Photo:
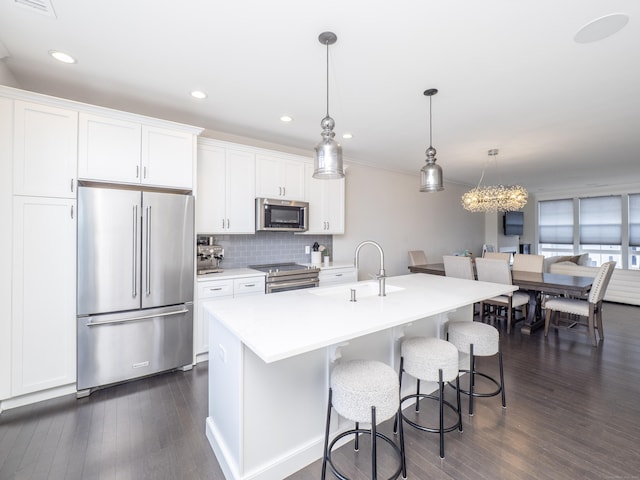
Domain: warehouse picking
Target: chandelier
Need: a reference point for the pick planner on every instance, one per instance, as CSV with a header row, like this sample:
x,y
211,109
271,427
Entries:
x,y
494,198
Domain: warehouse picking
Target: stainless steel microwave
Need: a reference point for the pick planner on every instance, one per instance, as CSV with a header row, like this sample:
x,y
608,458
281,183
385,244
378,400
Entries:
x,y
281,215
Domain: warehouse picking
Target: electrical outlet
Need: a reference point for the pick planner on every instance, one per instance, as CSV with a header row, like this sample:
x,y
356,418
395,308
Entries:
x,y
307,249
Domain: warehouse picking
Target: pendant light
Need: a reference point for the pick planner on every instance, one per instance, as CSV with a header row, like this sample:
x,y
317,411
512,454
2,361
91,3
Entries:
x,y
328,153
494,198
431,174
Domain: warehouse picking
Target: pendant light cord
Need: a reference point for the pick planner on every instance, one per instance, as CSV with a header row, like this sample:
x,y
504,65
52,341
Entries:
x,y
430,125
327,44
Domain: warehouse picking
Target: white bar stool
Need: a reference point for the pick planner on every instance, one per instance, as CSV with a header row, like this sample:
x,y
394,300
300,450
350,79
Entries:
x,y
431,360
478,340
364,391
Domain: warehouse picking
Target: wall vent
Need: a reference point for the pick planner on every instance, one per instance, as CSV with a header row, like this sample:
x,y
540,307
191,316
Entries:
x,y
41,6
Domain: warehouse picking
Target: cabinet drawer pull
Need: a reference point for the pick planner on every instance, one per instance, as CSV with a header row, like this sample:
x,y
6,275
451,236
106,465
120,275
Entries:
x,y
338,274
249,285
215,289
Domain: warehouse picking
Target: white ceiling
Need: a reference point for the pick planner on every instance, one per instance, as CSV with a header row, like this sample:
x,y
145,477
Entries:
x,y
509,75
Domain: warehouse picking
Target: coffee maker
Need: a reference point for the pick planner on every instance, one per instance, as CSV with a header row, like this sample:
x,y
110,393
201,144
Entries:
x,y
210,255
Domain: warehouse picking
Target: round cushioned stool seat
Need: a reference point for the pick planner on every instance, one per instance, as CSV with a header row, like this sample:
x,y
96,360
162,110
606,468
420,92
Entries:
x,y
424,357
358,385
484,337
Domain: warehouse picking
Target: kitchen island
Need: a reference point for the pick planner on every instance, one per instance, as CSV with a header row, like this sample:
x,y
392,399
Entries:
x,y
270,358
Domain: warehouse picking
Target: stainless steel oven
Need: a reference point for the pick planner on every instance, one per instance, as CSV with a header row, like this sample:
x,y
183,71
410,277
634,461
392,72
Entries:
x,y
283,277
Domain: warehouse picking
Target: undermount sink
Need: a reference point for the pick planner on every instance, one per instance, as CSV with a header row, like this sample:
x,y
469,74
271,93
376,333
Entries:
x,y
363,290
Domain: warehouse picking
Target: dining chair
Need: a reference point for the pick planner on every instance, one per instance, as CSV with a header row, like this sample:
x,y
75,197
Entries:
x,y
523,262
498,271
417,257
498,256
458,267
591,308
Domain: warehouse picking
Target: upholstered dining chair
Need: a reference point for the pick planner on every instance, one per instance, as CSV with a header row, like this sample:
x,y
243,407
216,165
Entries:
x,y
417,257
459,267
498,256
498,271
591,308
528,263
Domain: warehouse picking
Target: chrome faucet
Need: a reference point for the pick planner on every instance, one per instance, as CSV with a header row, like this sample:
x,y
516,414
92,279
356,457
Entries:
x,y
381,275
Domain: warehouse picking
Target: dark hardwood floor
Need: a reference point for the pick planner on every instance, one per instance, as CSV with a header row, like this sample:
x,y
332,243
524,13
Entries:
x,y
573,412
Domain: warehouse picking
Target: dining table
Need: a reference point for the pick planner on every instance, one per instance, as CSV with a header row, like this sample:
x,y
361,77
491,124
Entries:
x,y
535,284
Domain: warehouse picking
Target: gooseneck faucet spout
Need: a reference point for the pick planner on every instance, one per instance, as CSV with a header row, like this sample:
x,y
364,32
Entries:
x,y
381,275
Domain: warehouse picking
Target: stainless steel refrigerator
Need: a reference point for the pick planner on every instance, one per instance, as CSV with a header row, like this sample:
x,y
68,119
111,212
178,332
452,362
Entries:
x,y
135,284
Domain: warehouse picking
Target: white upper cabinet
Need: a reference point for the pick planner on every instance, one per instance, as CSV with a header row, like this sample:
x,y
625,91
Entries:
x,y
122,151
326,204
225,198
45,150
167,157
279,178
109,149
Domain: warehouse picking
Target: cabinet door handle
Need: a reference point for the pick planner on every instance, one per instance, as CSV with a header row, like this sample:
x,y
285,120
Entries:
x,y
71,212
137,171
223,223
72,185
228,224
284,191
280,191
145,172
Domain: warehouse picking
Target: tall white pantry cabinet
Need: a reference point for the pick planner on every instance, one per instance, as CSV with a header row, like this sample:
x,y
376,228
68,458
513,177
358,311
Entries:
x,y
40,139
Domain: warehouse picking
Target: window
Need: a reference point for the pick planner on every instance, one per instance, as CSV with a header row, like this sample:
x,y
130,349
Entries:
x,y
634,231
601,228
555,227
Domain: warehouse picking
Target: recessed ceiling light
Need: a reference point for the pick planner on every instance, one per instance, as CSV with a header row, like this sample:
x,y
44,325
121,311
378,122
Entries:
x,y
61,56
601,28
286,118
200,95
347,135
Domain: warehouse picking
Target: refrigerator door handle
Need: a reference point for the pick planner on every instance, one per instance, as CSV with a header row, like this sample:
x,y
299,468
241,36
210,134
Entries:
x,y
134,269
148,251
136,319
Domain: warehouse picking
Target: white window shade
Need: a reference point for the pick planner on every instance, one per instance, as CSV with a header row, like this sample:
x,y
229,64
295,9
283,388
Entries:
x,y
634,220
555,221
601,221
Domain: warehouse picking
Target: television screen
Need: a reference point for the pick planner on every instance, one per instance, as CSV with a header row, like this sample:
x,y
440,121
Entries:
x,y
513,223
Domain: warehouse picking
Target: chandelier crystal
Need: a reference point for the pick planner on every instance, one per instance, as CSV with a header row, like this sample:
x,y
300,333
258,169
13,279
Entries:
x,y
494,198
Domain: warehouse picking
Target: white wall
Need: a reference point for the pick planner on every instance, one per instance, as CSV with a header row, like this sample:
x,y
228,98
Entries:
x,y
387,207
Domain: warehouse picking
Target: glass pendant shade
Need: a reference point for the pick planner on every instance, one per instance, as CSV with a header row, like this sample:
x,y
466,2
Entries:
x,y
328,153
431,174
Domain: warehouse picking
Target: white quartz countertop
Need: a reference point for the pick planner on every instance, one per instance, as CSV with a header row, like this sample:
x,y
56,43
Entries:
x,y
282,325
231,273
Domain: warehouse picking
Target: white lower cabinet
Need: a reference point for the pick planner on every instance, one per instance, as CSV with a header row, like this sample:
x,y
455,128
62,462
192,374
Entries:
x,y
336,275
223,288
44,294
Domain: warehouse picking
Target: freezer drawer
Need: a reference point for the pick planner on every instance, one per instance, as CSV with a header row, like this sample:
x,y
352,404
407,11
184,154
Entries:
x,y
117,347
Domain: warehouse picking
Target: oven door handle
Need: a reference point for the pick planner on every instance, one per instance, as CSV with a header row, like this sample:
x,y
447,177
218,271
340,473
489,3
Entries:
x,y
272,287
